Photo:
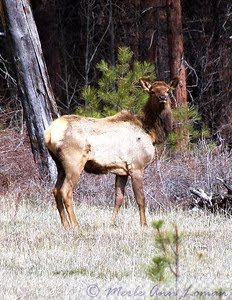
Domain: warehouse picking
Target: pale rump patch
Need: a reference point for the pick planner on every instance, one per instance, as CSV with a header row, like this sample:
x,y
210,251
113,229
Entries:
x,y
54,134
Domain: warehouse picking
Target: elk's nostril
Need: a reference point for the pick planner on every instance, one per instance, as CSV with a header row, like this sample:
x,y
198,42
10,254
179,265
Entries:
x,y
163,98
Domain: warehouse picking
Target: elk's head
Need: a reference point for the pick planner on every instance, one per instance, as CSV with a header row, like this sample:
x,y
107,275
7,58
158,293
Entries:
x,y
159,91
157,110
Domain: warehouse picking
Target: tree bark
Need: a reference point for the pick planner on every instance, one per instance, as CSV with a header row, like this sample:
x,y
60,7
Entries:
x,y
37,96
176,49
177,68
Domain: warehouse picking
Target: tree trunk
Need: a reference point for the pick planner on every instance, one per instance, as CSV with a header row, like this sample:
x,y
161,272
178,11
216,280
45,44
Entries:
x,y
176,49
37,97
177,68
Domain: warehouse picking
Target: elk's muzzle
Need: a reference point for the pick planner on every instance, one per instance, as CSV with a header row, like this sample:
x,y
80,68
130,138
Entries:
x,y
162,99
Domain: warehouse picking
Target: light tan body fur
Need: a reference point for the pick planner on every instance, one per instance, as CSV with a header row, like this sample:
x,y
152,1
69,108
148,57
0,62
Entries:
x,y
121,144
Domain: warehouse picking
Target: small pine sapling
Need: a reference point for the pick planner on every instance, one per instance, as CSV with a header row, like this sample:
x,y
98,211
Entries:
x,y
168,244
188,127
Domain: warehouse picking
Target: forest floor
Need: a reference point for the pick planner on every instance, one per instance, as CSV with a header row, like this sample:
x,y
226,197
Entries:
x,y
41,260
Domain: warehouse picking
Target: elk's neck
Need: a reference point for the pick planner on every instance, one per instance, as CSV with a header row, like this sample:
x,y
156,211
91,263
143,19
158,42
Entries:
x,y
157,122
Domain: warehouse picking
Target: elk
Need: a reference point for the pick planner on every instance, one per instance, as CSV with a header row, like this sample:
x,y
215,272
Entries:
x,y
122,144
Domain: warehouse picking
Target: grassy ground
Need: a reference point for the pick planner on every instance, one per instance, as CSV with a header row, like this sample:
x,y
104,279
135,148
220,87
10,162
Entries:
x,y
40,260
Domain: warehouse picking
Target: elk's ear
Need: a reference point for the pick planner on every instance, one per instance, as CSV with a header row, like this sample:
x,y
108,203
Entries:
x,y
145,84
174,83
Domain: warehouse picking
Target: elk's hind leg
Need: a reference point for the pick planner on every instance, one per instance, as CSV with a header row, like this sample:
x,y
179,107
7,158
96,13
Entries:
x,y
58,196
120,183
72,176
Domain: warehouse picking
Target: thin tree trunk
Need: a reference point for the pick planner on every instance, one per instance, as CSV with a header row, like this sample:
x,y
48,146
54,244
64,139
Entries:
x,y
37,97
177,68
176,48
112,34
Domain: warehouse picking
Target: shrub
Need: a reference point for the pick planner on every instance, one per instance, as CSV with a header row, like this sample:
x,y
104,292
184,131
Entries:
x,y
188,127
168,244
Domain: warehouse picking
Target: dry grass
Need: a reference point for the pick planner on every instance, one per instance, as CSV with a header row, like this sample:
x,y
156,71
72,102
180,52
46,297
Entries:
x,y
40,260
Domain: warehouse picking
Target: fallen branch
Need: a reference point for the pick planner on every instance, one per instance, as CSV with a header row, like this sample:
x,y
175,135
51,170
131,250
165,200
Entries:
x,y
213,202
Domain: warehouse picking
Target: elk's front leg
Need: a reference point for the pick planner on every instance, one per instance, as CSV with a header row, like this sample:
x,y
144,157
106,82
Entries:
x,y
120,183
137,185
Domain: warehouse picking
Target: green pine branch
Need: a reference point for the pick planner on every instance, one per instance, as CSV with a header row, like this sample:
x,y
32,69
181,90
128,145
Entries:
x,y
192,128
168,259
118,87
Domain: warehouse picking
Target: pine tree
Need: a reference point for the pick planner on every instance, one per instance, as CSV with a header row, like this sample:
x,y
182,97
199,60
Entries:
x,y
118,87
192,128
168,244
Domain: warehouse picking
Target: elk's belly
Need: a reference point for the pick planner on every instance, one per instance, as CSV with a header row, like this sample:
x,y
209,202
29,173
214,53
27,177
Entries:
x,y
119,153
95,168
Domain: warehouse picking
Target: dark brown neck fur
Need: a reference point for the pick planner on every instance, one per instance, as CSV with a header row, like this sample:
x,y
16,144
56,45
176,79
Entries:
x,y
156,120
